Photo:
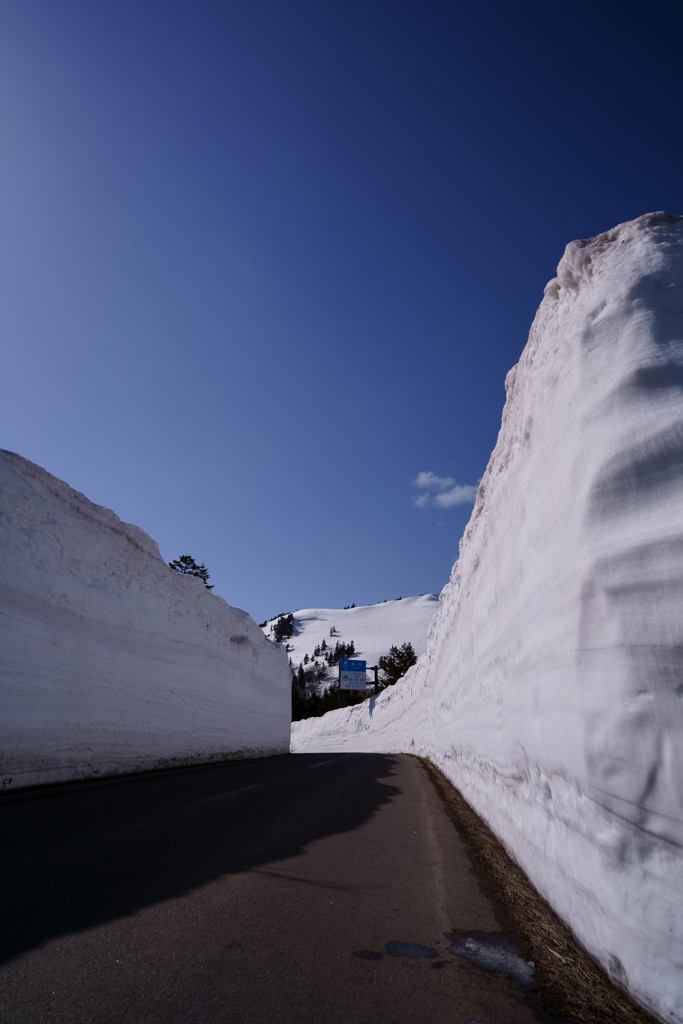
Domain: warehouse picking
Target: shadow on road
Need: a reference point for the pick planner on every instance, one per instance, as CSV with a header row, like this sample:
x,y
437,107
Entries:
x,y
85,855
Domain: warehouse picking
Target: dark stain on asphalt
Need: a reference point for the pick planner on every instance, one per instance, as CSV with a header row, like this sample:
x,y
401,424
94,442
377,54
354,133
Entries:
x,y
412,949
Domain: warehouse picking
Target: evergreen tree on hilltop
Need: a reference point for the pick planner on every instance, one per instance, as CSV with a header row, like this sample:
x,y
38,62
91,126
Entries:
x,y
394,665
283,628
187,566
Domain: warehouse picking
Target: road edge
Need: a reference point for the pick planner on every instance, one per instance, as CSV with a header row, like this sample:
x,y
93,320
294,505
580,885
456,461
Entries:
x,y
39,789
572,983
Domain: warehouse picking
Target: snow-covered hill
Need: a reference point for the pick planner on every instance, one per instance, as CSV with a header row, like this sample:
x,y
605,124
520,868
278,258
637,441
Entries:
x,y
551,692
110,661
374,628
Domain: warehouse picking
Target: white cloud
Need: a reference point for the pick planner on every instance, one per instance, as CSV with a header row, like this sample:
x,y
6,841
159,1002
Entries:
x,y
457,496
448,493
431,482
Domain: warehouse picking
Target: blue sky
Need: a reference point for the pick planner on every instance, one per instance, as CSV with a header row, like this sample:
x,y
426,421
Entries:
x,y
263,263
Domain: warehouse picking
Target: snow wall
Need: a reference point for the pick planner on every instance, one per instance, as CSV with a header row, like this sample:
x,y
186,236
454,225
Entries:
x,y
551,692
110,661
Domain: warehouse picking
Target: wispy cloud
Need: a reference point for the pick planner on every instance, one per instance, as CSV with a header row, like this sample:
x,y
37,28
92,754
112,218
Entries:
x,y
431,482
458,495
442,491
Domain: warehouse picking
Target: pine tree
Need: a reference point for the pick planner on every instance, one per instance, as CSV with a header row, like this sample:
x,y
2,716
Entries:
x,y
340,652
394,665
187,566
283,628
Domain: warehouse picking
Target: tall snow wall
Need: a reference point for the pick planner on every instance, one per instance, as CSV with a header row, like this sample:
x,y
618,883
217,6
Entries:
x,y
551,693
110,661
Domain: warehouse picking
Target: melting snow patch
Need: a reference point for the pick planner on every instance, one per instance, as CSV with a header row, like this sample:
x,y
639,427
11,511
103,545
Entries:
x,y
495,952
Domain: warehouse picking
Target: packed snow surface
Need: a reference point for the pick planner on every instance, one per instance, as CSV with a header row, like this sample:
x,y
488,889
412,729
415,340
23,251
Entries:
x,y
374,628
110,661
551,692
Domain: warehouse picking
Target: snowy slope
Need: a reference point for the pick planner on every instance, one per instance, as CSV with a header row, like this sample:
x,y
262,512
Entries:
x,y
552,689
373,628
110,661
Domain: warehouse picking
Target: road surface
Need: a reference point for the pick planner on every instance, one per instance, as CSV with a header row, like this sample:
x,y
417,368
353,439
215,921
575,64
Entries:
x,y
241,893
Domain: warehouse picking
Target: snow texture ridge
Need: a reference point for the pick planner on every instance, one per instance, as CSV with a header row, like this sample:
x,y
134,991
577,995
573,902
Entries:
x,y
110,661
551,692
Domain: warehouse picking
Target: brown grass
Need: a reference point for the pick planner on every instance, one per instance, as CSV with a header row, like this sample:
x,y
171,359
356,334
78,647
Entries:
x,y
572,984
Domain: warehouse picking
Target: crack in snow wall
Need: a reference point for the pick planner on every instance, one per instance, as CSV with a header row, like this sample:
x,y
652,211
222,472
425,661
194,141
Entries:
x,y
551,693
110,661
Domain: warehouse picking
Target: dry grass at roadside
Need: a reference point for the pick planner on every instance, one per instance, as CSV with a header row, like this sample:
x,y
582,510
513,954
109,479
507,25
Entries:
x,y
572,984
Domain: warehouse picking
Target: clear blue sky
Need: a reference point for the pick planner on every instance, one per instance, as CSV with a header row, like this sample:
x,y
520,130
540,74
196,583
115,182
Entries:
x,y
264,262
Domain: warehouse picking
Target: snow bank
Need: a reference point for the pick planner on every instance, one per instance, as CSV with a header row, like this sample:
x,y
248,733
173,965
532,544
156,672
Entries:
x,y
374,628
110,661
552,689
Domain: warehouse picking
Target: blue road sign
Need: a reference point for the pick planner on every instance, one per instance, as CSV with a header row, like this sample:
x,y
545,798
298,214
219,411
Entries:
x,y
352,675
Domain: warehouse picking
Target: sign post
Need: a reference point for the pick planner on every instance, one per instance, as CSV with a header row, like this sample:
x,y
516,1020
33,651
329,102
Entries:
x,y
352,675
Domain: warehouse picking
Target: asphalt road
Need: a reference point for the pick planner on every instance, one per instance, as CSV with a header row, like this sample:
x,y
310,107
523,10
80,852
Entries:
x,y
239,894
